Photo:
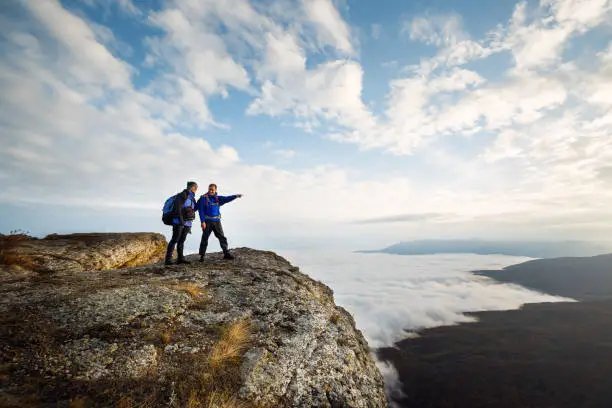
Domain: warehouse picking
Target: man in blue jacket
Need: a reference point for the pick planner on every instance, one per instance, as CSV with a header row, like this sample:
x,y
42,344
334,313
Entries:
x,y
210,216
185,204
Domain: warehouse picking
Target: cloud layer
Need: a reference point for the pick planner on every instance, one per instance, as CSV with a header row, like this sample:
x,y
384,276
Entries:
x,y
392,295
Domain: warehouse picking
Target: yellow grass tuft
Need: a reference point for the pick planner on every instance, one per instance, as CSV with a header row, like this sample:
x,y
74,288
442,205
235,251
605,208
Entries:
x,y
192,289
125,402
78,402
207,380
233,343
166,336
334,318
194,400
223,400
16,259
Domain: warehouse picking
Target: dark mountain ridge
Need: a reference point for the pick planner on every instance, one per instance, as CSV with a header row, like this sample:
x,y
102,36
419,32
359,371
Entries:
x,y
582,278
542,355
533,249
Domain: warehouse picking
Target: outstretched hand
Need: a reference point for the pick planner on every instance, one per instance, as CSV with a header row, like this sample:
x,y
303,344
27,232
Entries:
x,y
238,195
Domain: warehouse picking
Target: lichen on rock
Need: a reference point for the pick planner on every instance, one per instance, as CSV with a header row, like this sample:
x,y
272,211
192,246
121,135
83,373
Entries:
x,y
253,331
81,252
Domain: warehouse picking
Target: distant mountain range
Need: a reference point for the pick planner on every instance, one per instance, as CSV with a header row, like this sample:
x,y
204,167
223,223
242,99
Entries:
x,y
534,249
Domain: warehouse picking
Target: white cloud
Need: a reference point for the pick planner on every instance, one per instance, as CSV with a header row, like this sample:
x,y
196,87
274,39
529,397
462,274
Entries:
x,y
331,90
439,30
197,53
128,7
113,141
535,47
541,43
522,100
75,122
123,144
215,61
96,65
548,120
408,119
192,99
596,86
331,28
105,36
390,295
581,13
125,6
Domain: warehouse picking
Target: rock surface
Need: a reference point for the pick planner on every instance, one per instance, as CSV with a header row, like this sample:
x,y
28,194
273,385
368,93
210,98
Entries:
x,y
253,332
81,252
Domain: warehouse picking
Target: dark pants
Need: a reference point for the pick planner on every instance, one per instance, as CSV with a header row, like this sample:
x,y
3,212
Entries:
x,y
179,235
213,226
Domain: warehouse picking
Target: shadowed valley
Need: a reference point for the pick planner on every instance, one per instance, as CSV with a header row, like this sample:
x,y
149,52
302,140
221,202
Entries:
x,y
542,355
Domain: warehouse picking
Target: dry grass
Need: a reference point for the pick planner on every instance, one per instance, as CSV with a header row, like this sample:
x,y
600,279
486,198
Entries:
x,y
233,343
197,293
194,400
209,378
166,336
192,289
78,402
10,254
125,402
223,400
17,259
212,378
334,318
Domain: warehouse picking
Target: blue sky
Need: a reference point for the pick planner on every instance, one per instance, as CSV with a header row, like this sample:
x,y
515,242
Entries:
x,y
453,118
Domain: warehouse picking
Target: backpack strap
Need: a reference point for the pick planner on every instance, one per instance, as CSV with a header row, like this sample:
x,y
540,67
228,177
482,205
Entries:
x,y
207,200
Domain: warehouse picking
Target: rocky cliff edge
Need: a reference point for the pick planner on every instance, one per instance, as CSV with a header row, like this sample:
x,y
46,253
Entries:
x,y
253,332
81,252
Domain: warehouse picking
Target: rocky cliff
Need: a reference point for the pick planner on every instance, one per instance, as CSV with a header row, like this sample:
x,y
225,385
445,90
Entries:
x,y
253,332
81,252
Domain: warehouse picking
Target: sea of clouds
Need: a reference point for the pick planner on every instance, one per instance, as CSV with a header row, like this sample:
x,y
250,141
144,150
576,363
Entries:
x,y
392,296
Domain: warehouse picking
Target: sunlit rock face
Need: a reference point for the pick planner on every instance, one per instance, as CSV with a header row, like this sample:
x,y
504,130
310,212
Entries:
x,y
252,331
81,252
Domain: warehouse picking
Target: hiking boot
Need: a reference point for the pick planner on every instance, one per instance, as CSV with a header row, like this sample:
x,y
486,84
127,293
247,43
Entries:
x,y
227,255
201,258
183,261
168,262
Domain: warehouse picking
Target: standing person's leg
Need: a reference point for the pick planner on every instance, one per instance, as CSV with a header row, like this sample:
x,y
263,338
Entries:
x,y
177,231
204,242
218,230
181,244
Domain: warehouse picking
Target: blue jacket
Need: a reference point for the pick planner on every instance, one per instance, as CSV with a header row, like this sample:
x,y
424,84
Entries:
x,y
208,206
189,202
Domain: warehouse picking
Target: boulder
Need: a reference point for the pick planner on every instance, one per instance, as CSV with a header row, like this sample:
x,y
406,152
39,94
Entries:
x,y
252,332
81,252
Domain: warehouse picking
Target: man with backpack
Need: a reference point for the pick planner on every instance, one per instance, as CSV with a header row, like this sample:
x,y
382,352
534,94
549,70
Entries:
x,y
210,216
179,211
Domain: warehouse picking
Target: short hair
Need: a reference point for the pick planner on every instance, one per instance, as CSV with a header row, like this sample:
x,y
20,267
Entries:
x,y
212,185
191,184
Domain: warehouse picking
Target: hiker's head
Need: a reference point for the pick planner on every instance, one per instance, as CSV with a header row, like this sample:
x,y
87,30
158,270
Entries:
x,y
212,189
192,186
